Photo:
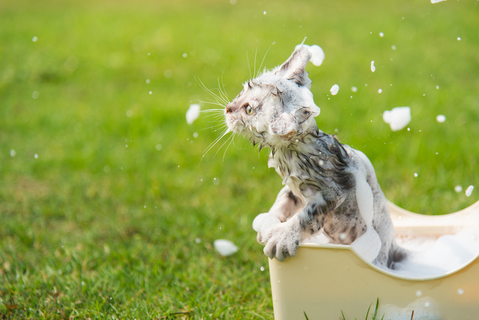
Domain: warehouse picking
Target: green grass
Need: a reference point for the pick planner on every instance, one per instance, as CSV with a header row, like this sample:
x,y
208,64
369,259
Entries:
x,y
92,228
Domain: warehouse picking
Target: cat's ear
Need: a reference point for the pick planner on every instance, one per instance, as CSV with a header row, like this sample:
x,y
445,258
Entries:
x,y
303,114
294,68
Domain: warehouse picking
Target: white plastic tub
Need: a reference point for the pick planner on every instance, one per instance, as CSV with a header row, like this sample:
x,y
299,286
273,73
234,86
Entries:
x,y
323,279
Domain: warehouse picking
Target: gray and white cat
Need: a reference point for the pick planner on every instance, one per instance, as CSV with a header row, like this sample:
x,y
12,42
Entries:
x,y
277,110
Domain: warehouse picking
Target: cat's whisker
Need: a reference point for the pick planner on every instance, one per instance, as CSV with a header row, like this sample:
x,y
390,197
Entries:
x,y
222,145
214,143
249,65
215,96
254,68
213,110
222,93
261,65
216,103
232,139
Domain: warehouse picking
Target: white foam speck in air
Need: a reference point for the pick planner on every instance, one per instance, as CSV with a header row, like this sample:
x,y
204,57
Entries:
x,y
35,94
264,12
437,87
334,89
458,188
469,190
35,156
225,247
393,47
129,113
441,118
12,153
317,54
381,34
148,81
354,89
436,1
262,268
185,55
397,118
193,113
458,38
373,68
380,90
35,39
415,174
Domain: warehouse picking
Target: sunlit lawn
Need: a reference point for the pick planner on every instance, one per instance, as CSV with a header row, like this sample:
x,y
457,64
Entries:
x,y
103,193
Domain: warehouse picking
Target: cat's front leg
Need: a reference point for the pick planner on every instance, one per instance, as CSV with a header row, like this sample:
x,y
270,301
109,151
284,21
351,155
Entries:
x,y
286,205
283,240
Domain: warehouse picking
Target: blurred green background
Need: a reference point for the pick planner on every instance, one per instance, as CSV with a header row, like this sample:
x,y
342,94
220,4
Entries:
x,y
106,208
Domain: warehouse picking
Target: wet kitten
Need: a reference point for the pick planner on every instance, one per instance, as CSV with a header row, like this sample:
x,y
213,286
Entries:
x,y
277,110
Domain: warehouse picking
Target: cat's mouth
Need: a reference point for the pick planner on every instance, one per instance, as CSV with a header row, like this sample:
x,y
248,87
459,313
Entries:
x,y
288,136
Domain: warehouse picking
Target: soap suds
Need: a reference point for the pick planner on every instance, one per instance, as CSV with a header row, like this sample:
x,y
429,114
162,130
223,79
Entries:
x,y
397,118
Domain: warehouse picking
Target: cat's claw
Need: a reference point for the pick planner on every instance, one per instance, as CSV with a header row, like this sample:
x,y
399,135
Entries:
x,y
281,243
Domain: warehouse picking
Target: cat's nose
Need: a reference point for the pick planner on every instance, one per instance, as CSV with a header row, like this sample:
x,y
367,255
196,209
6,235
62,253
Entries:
x,y
229,108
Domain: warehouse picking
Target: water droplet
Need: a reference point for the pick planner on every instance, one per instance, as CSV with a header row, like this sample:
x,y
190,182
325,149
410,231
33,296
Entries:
x,y
415,174
458,38
441,118
150,92
195,134
408,129
106,168
185,55
158,147
380,90
427,304
460,291
334,89
148,81
393,47
35,94
168,73
233,1
458,188
13,153
35,39
373,68
35,156
419,293
469,190
149,53
129,113
262,268
197,240
354,89
381,34
437,87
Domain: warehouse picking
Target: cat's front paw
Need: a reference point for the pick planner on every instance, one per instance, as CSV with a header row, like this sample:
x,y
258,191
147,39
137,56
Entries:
x,y
281,242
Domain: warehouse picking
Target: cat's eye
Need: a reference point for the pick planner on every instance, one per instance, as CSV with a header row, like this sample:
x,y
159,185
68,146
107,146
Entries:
x,y
249,110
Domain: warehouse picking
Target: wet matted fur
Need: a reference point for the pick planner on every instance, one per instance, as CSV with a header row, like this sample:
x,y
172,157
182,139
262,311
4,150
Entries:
x,y
277,110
